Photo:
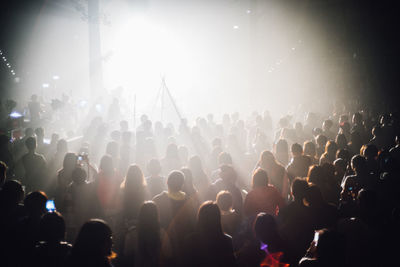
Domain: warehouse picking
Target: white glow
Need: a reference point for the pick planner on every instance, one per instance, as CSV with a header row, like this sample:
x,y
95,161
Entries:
x,y
45,85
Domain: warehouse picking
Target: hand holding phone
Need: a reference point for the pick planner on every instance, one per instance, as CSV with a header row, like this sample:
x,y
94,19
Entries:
x,y
50,205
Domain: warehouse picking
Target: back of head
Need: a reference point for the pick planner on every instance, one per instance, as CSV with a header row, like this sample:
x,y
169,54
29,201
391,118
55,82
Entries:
x,y
267,158
209,219
358,163
265,227
134,179
343,154
331,148
154,167
282,146
195,164
35,203
148,217
296,149
93,241
30,143
316,175
79,175
314,196
370,151
3,173
106,164
299,188
321,140
188,175
260,178
224,200
228,174
309,148
172,151
331,248
224,158
70,161
52,227
12,193
175,181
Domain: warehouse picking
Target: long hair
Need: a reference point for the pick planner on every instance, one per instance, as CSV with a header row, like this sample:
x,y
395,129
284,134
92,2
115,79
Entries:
x,y
134,191
149,240
209,220
93,244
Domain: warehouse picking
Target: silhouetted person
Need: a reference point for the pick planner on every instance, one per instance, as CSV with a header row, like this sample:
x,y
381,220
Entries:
x,y
34,167
298,166
263,198
147,244
281,150
92,247
156,183
230,219
209,246
51,250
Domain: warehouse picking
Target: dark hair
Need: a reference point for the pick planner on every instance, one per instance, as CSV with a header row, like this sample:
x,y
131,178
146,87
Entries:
x,y
52,227
331,148
149,240
209,220
296,148
79,175
224,200
282,146
224,158
70,160
370,151
358,163
314,196
106,164
93,243
341,141
343,154
260,178
309,148
12,193
265,227
30,143
154,167
321,140
299,188
134,179
175,181
315,175
35,202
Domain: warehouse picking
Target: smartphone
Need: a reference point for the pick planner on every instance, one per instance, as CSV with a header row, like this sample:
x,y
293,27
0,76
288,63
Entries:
x,y
50,205
316,237
80,158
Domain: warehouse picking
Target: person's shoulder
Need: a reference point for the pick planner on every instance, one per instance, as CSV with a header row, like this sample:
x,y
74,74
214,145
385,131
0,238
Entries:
x,y
163,195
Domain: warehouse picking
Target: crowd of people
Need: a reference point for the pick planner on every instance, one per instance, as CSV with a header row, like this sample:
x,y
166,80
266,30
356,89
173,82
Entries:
x,y
318,191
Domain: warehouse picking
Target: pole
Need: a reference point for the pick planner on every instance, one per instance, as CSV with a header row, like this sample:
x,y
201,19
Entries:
x,y
134,112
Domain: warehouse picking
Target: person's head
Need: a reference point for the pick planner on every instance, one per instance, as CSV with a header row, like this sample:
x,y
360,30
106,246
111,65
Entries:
x,y
357,118
331,148
209,219
148,216
30,144
79,175
70,161
341,141
3,173
62,146
316,175
35,203
172,151
39,132
358,164
12,193
29,132
106,165
134,178
296,150
94,241
123,125
265,228
331,248
52,227
340,167
228,174
175,181
299,188
224,200
260,178
282,147
112,149
267,159
195,164
314,196
309,149
327,125
154,167
224,158
183,153
321,140
370,152
343,154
